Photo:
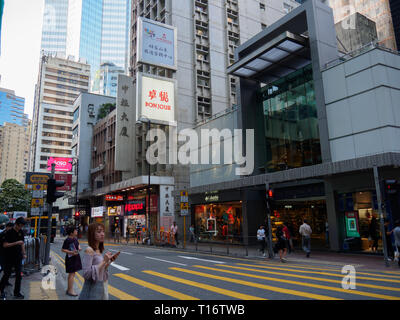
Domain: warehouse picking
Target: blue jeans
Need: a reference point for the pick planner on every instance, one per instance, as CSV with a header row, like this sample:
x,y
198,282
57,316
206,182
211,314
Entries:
x,y
307,244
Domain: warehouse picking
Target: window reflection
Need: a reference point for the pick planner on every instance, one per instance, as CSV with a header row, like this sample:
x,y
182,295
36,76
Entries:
x,y
291,122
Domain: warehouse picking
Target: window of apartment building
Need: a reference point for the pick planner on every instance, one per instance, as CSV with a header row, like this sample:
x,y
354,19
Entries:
x,y
262,6
76,114
57,119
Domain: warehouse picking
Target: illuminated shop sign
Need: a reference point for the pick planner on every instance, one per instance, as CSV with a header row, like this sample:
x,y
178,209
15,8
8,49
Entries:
x,y
114,197
62,164
135,207
114,211
97,212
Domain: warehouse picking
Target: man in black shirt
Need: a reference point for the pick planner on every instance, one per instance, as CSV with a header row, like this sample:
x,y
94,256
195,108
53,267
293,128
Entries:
x,y
14,252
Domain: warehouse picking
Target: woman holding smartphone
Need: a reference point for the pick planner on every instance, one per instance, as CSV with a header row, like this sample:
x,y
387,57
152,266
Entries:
x,y
95,265
72,259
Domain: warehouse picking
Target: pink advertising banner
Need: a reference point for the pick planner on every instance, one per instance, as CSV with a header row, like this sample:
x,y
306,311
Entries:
x,y
62,164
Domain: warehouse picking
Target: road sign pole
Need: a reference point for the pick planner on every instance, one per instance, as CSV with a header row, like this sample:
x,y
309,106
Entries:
x,y
270,249
49,222
382,222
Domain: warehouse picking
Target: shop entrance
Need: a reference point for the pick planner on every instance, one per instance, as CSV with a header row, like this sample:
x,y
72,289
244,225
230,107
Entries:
x,y
292,212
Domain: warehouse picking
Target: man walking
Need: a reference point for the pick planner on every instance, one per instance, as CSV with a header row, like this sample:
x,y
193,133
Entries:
x,y
305,231
261,239
14,253
174,231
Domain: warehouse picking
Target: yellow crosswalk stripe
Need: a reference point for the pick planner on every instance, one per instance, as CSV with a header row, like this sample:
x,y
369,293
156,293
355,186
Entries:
x,y
317,286
323,273
257,285
225,292
166,291
311,278
121,295
332,269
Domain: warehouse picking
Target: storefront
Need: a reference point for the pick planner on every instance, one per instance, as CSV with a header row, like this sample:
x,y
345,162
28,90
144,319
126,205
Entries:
x,y
134,214
218,217
114,214
357,210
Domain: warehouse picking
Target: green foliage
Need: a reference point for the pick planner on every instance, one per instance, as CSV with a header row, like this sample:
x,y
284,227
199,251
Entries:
x,y
105,109
14,197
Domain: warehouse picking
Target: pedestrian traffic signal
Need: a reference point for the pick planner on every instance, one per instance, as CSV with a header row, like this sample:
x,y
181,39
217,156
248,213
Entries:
x,y
270,194
391,186
270,200
77,215
52,194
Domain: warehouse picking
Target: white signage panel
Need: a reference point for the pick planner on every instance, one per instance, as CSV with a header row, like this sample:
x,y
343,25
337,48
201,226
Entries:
x,y
157,44
156,99
166,207
97,212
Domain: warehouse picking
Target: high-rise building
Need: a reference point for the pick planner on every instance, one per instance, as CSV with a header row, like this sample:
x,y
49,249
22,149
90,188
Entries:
x,y
99,31
59,83
395,10
106,79
1,18
54,31
378,11
14,151
12,108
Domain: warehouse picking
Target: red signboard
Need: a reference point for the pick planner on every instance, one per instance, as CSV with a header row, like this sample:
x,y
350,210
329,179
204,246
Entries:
x,y
67,178
114,197
134,208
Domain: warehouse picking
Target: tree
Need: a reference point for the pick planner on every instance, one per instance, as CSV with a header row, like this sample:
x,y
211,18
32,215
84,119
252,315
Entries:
x,y
14,197
105,109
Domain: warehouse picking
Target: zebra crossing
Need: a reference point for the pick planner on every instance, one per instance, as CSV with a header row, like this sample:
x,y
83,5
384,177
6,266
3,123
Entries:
x,y
247,281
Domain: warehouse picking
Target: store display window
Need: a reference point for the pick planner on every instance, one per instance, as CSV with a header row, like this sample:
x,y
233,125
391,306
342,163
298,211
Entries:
x,y
219,222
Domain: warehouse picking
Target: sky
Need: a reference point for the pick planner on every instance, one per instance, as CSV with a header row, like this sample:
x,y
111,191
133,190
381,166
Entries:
x,y
20,48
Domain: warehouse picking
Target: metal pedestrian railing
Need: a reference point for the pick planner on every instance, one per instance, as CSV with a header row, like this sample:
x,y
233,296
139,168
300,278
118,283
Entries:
x,y
35,253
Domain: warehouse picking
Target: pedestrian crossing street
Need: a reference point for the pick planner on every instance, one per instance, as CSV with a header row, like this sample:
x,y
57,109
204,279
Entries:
x,y
252,280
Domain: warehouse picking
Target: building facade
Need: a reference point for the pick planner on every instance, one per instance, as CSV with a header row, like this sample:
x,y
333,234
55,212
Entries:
x,y
319,131
60,81
106,79
377,11
14,151
54,30
12,108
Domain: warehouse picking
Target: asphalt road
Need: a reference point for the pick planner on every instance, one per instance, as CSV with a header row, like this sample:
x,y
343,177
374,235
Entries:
x,y
144,273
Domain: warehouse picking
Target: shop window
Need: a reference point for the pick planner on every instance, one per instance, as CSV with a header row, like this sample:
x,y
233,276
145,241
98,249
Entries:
x,y
219,222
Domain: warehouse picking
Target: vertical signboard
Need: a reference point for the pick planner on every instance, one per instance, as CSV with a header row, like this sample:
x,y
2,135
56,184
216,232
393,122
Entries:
x,y
157,44
166,207
125,124
352,229
184,203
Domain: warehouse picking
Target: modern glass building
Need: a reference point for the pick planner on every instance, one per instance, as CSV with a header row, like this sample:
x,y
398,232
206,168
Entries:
x,y
1,18
54,32
12,108
98,31
106,79
291,122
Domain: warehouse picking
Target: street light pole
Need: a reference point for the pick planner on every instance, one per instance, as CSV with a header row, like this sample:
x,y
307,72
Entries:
x,y
76,186
148,188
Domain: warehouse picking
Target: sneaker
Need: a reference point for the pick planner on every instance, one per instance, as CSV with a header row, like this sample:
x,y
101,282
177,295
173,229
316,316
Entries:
x,y
283,260
19,296
263,254
3,296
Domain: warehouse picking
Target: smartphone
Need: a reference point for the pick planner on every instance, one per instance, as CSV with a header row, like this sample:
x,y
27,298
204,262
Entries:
x,y
115,256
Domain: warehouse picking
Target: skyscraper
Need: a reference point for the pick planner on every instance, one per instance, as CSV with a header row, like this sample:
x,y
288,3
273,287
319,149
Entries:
x,y
54,31
12,108
98,30
106,79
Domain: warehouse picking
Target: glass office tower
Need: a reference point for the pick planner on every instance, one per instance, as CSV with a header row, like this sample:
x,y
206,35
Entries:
x,y
54,32
12,108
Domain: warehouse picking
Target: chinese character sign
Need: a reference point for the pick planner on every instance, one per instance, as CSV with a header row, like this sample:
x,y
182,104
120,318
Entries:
x,y
157,43
157,99
167,209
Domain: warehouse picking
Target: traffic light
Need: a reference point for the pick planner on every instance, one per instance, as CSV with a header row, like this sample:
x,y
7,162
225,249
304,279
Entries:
x,y
77,215
52,193
270,199
391,186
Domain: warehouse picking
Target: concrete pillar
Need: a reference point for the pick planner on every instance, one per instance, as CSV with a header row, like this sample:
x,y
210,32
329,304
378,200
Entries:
x,y
333,222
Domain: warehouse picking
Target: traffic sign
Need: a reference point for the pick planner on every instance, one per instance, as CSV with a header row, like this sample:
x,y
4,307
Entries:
x,y
36,203
38,194
184,203
35,211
